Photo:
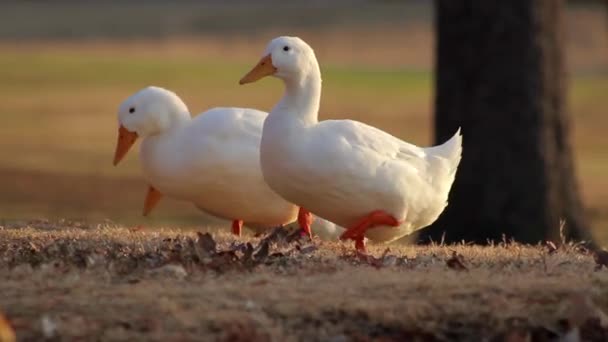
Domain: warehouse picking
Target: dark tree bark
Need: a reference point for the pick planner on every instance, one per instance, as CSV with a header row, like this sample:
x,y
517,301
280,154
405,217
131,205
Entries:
x,y
500,75
606,7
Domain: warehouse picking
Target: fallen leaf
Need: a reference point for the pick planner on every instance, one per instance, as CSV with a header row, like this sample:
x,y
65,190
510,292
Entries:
x,y
33,247
205,247
573,335
601,259
260,282
223,260
551,247
262,252
389,260
542,333
456,262
278,235
339,338
7,334
579,308
206,242
276,255
238,247
248,253
170,270
364,257
238,330
228,255
517,336
383,261
307,249
295,236
49,328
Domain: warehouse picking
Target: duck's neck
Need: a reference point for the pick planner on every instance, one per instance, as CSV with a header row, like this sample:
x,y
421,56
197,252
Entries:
x,y
302,98
168,125
180,119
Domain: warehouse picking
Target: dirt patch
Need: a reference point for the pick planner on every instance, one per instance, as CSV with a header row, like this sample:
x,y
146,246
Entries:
x,y
70,281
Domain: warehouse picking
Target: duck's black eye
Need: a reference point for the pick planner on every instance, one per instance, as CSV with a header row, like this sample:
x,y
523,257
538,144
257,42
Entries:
x,y
132,110
285,48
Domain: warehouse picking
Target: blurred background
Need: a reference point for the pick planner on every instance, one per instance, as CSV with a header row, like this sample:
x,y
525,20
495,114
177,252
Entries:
x,y
66,65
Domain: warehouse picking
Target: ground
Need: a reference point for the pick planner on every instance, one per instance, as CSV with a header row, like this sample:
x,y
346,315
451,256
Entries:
x,y
73,281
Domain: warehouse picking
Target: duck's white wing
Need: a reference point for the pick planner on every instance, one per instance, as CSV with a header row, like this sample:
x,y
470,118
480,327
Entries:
x,y
365,147
230,124
226,140
356,168
353,168
215,148
215,163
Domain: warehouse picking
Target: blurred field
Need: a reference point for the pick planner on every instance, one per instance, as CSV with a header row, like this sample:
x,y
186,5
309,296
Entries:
x,y
58,100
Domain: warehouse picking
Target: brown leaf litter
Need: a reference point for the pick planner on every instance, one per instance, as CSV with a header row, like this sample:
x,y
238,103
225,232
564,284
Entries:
x,y
78,281
456,262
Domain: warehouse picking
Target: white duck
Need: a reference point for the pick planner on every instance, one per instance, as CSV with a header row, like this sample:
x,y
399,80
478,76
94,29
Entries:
x,y
326,230
347,172
212,160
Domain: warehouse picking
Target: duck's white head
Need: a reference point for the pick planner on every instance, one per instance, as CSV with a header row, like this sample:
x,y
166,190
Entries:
x,y
150,111
288,58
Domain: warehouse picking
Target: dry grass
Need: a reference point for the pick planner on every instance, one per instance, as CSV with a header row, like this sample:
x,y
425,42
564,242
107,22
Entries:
x,y
74,281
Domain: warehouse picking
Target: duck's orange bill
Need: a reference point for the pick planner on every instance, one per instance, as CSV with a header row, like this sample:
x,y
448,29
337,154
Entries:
x,y
126,139
152,199
262,69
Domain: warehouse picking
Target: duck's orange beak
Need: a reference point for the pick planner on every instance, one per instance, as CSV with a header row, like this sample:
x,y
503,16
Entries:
x,y
262,69
126,139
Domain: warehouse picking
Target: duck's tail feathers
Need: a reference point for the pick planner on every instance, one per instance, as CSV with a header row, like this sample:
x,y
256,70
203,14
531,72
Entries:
x,y
449,153
450,150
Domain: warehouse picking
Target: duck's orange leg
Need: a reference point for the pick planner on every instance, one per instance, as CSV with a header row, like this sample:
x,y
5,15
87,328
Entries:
x,y
360,244
373,219
237,226
305,220
152,198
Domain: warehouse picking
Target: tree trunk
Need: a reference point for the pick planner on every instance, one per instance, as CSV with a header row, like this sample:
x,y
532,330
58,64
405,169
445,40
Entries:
x,y
500,75
606,8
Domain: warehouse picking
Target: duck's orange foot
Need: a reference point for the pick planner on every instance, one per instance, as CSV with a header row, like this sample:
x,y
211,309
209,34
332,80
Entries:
x,y
360,245
305,221
237,227
373,219
152,198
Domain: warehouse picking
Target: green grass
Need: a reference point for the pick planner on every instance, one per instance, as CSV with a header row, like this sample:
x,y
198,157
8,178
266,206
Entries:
x,y
22,71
